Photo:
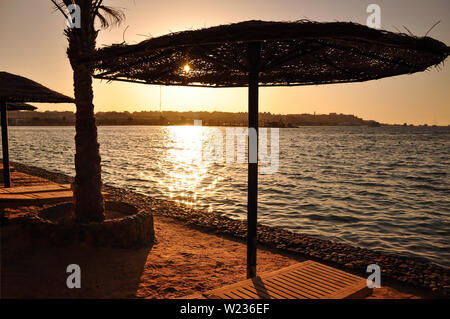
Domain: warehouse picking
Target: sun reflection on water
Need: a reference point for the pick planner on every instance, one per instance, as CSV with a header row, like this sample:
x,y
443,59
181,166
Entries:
x,y
185,176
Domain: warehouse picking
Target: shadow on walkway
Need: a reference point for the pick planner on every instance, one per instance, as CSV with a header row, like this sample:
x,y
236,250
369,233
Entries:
x,y
36,270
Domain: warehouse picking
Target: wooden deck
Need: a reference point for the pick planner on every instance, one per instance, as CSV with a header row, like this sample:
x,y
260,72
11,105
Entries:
x,y
306,280
33,189
34,195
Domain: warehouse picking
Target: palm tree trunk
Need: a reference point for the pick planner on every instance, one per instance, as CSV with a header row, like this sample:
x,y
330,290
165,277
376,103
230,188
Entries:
x,y
89,205
88,198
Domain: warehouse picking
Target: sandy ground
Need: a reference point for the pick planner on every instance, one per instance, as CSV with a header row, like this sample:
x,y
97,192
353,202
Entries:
x,y
183,261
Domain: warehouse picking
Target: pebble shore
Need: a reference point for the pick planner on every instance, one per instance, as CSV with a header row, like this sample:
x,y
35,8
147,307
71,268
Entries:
x,y
406,270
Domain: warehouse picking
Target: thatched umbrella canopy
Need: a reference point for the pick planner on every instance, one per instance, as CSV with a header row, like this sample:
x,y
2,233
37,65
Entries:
x,y
21,107
291,53
17,89
260,53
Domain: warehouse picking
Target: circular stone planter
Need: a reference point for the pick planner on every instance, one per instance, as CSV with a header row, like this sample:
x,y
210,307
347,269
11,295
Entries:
x,y
124,227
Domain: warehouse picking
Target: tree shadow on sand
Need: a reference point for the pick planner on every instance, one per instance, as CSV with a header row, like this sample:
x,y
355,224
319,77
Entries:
x,y
30,269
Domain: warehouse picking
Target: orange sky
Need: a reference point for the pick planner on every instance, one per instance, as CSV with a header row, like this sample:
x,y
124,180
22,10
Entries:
x,y
33,45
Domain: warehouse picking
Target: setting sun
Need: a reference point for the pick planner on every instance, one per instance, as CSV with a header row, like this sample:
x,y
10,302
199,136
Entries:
x,y
186,68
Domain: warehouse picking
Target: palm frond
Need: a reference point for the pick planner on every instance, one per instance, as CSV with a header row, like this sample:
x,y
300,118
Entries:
x,y
109,16
58,6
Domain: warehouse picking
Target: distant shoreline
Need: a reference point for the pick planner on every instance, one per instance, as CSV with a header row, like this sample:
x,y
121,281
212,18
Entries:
x,y
266,119
175,118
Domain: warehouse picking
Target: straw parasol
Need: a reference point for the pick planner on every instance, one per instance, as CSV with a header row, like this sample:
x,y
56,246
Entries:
x,y
21,107
17,89
261,53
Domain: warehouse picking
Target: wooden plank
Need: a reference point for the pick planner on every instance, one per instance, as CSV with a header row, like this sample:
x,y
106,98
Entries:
x,y
309,290
309,286
245,293
193,296
249,291
308,279
357,290
256,294
293,284
211,296
327,279
16,198
255,291
285,288
318,280
35,189
51,195
322,285
325,275
232,294
260,292
324,282
274,291
335,272
36,198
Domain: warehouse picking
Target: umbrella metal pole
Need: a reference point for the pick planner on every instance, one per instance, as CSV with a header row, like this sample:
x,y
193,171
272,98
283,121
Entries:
x,y
252,200
5,150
